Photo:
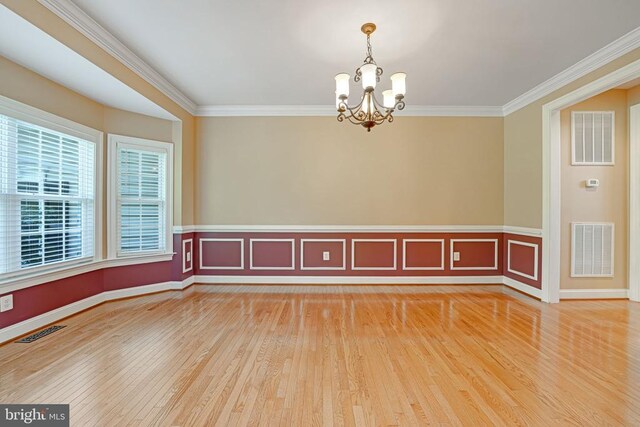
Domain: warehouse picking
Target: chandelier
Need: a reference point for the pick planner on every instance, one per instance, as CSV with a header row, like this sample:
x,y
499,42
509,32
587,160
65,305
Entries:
x,y
369,112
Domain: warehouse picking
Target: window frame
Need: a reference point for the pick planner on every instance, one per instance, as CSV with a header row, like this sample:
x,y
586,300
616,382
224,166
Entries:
x,y
35,116
114,141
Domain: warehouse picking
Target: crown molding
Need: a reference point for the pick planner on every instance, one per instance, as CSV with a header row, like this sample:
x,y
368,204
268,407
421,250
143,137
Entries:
x,y
330,110
82,22
610,52
452,110
264,110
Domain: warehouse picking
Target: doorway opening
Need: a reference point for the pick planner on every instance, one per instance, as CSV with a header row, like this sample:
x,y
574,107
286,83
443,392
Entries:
x,y
551,152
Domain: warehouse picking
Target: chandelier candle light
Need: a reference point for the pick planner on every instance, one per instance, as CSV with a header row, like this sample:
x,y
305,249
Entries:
x,y
369,112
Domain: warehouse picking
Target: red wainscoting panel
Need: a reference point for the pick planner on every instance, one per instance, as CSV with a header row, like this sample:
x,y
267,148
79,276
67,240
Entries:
x,y
187,255
182,243
475,254
130,276
424,254
36,300
523,255
523,258
373,254
221,254
272,254
312,250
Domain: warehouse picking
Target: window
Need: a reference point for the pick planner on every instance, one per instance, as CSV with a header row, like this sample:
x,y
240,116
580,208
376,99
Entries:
x,y
140,196
47,192
592,141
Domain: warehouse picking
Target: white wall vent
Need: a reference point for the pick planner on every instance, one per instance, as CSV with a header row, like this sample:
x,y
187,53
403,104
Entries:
x,y
593,137
592,249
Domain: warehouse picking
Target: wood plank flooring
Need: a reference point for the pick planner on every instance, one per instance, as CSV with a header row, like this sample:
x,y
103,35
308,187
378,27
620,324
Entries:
x,y
306,356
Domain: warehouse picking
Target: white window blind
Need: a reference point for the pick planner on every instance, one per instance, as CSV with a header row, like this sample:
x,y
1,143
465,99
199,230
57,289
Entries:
x,y
593,137
141,184
46,197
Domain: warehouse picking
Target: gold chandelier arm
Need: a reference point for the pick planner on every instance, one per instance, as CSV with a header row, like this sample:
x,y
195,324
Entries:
x,y
354,116
378,115
343,107
353,120
382,117
377,104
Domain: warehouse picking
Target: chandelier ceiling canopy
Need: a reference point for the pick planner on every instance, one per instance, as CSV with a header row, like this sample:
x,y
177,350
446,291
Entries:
x,y
369,112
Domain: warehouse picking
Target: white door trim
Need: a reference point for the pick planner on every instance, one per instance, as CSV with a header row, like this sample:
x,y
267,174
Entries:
x,y
634,202
551,171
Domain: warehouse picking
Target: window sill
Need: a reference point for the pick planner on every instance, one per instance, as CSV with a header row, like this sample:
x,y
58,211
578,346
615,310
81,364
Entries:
x,y
139,259
37,278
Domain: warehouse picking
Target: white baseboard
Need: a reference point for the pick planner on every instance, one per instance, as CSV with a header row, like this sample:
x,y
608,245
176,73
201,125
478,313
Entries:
x,y
186,282
139,290
529,290
352,280
26,326
594,294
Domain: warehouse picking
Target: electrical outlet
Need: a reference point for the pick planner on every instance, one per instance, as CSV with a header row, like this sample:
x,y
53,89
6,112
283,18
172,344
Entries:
x,y
6,303
326,256
188,256
456,256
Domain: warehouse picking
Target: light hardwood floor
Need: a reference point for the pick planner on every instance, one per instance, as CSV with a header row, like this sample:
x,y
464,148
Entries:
x,y
303,356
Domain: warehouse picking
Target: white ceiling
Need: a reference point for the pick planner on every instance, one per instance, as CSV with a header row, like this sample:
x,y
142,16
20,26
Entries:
x,y
455,52
27,45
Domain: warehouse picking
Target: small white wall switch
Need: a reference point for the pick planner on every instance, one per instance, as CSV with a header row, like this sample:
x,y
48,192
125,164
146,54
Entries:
x,y
188,256
6,303
592,183
456,256
326,256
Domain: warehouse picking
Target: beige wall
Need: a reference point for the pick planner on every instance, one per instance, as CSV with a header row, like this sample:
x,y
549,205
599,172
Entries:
x,y
608,203
185,200
633,96
25,86
21,84
314,170
122,122
50,23
419,171
523,168
523,151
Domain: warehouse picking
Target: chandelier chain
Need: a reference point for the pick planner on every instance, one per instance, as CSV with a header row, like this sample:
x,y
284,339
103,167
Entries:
x,y
369,58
